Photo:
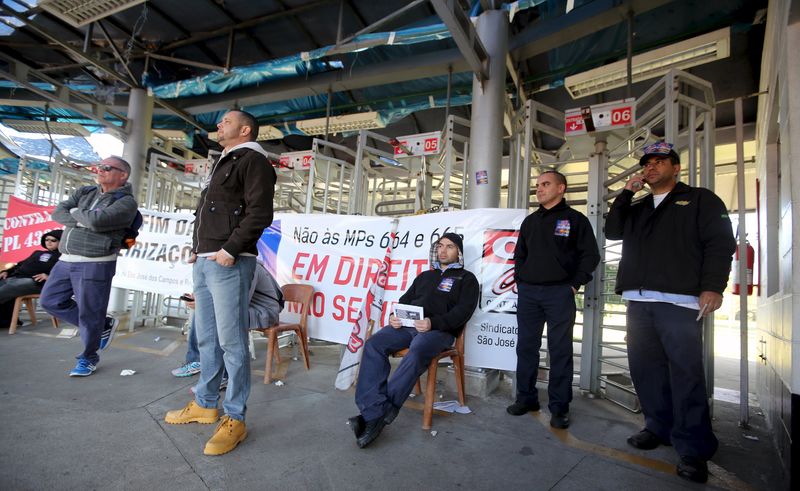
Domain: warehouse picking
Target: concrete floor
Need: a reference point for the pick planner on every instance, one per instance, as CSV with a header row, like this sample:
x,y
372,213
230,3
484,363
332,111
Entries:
x,y
107,432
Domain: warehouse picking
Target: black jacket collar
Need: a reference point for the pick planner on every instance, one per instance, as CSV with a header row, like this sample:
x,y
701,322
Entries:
x,y
562,205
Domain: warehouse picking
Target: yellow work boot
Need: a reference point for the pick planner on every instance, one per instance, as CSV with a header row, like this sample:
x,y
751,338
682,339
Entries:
x,y
192,413
228,434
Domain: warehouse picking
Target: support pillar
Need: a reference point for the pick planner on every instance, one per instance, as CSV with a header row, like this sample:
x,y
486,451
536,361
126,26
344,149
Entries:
x,y
486,134
140,115
593,298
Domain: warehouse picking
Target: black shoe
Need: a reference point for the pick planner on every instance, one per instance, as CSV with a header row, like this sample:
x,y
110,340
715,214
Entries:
x,y
357,425
391,414
693,469
371,431
559,420
520,408
645,440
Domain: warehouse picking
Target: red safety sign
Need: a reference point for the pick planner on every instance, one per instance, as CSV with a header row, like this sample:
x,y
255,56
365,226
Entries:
x,y
600,117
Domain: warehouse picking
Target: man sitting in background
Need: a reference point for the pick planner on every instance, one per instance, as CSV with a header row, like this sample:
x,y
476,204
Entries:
x,y
28,276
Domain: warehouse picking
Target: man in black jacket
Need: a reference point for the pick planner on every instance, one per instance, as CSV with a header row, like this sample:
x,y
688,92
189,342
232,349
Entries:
x,y
28,277
234,209
677,245
448,294
556,253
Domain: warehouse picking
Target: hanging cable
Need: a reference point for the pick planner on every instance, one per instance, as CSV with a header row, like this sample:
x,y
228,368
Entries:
x,y
137,29
53,145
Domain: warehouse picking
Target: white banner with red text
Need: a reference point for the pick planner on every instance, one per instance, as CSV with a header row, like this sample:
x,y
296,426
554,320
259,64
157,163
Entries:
x,y
340,256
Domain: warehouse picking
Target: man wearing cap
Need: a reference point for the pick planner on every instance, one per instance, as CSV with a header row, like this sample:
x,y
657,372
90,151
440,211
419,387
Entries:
x,y
555,255
677,245
448,294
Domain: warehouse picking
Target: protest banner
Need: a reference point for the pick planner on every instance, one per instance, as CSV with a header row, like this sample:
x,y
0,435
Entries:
x,y
158,262
339,255
23,227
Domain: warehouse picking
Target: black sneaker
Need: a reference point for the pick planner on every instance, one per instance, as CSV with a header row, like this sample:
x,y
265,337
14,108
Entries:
x,y
371,431
693,469
108,332
645,440
559,420
520,408
357,425
391,414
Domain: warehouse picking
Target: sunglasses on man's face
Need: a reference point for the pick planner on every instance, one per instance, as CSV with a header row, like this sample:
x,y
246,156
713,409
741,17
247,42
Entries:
x,y
51,240
108,168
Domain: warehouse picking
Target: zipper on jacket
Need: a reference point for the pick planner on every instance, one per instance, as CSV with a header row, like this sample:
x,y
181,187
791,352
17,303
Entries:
x,y
203,202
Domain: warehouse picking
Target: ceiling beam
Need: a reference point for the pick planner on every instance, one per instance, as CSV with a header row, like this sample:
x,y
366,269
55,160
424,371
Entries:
x,y
465,36
394,71
544,35
109,71
202,47
223,31
63,96
232,34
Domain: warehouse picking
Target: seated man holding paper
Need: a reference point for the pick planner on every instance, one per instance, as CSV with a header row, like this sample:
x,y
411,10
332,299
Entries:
x,y
444,297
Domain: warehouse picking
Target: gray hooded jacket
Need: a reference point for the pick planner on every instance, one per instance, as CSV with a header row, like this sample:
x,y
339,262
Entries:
x,y
265,297
95,221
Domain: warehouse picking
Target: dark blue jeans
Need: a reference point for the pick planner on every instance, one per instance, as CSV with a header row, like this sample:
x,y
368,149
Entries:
x,y
373,392
665,356
90,284
537,305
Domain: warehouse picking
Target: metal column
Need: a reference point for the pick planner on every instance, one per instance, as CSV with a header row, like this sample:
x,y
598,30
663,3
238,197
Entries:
x,y
592,296
140,115
486,136
744,385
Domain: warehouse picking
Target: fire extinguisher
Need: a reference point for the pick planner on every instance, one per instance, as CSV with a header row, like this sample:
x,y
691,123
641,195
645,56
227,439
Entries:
x,y
750,260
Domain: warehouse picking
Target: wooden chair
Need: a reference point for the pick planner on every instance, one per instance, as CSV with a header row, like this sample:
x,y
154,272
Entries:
x,y
456,353
300,294
28,301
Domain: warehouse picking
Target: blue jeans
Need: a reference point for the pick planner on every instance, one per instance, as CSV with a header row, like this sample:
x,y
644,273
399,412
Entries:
x,y
221,297
90,284
555,306
192,351
665,356
374,394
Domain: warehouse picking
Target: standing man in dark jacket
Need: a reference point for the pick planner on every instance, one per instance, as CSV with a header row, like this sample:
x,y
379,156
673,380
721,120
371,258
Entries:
x,y
28,277
448,294
677,245
556,253
234,209
95,218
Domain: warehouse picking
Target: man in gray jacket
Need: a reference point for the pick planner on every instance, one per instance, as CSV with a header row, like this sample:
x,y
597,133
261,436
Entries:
x,y
77,291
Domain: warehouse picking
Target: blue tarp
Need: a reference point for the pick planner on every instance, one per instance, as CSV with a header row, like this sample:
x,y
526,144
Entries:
x,y
391,101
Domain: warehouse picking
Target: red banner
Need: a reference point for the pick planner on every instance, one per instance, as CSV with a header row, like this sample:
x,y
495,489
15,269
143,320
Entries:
x,y
23,227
